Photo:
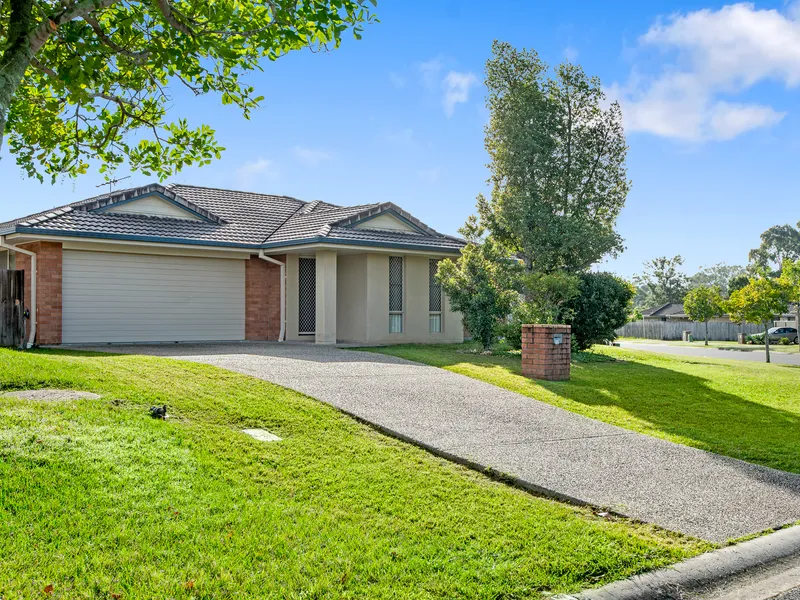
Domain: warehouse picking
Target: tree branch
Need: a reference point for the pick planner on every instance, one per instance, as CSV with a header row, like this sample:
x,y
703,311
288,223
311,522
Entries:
x,y
139,57
75,10
169,16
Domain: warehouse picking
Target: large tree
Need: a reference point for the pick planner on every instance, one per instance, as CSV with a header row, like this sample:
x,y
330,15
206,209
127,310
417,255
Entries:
x,y
662,281
790,276
719,275
90,79
557,163
703,304
778,243
759,302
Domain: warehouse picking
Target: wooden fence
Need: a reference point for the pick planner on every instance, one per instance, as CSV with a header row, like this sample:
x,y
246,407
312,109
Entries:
x,y
672,330
12,319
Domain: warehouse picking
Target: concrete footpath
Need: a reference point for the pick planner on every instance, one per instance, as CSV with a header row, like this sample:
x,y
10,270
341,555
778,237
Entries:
x,y
547,449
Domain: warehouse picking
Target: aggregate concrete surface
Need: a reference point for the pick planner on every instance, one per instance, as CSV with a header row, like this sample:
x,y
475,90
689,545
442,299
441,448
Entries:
x,y
546,448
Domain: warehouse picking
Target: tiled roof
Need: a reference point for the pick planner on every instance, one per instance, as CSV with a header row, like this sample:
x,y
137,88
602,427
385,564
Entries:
x,y
228,218
665,310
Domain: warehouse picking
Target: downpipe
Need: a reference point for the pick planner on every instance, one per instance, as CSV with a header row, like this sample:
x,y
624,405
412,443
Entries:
x,y
269,259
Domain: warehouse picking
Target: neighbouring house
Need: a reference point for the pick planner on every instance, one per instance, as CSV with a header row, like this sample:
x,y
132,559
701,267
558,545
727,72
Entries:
x,y
673,311
176,263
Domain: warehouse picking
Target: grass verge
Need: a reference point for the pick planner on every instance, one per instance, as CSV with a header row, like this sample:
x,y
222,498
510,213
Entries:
x,y
98,500
743,409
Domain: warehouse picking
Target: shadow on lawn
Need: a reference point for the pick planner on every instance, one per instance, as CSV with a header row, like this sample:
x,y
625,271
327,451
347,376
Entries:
x,y
685,405
664,402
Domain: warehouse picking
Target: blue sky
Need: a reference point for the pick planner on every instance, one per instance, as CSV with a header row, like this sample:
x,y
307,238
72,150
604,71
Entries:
x,y
709,93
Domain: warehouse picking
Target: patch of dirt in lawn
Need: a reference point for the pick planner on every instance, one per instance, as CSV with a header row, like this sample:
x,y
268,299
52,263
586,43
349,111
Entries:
x,y
52,395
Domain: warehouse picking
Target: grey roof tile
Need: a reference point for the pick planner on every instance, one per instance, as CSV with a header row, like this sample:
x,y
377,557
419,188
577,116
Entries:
x,y
230,218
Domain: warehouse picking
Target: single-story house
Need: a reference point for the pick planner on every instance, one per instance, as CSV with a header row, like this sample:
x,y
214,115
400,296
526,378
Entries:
x,y
177,263
673,311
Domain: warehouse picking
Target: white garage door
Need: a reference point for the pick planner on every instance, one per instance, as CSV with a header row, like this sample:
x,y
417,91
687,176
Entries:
x,y
113,297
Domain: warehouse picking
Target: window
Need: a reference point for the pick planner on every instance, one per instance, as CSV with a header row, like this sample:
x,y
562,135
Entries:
x,y
395,294
434,298
307,296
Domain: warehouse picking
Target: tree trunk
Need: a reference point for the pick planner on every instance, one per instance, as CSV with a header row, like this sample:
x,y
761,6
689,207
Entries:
x,y
766,339
16,58
797,324
706,333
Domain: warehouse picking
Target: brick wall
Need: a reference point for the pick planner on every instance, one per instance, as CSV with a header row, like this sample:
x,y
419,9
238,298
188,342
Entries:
x,y
262,299
48,288
542,358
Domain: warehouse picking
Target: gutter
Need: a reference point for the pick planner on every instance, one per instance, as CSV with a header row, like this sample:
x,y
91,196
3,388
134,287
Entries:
x,y
3,244
262,256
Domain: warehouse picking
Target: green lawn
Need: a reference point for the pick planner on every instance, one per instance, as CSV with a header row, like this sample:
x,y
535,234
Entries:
x,y
747,410
98,500
732,345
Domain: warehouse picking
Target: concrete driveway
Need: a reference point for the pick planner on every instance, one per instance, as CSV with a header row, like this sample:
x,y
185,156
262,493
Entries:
x,y
779,358
551,450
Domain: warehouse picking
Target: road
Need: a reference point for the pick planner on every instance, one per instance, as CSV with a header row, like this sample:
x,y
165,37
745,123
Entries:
x,y
781,358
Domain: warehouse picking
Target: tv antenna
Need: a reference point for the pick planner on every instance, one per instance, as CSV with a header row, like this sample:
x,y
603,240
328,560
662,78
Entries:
x,y
110,183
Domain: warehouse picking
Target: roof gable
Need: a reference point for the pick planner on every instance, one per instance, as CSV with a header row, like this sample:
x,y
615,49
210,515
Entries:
x,y
150,206
154,201
386,216
386,221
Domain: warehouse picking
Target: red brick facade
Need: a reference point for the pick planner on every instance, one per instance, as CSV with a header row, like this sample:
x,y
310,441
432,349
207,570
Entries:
x,y
262,305
542,357
48,288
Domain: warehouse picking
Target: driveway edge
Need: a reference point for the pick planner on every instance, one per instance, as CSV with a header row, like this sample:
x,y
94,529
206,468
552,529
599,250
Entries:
x,y
487,471
701,571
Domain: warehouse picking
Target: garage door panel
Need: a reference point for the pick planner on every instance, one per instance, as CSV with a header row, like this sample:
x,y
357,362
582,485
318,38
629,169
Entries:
x,y
115,297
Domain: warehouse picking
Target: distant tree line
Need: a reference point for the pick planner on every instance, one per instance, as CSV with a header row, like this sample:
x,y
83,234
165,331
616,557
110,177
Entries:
x,y
757,293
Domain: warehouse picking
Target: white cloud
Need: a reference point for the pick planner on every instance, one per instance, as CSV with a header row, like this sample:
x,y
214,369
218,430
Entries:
x,y
793,10
397,80
430,72
310,156
712,55
254,169
456,88
260,166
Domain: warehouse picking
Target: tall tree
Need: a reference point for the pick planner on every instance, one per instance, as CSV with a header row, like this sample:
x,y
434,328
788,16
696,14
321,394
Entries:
x,y
790,275
90,79
758,302
557,163
778,243
737,282
703,304
661,281
719,275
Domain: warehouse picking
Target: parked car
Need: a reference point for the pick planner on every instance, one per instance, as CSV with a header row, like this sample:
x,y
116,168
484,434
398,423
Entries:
x,y
776,333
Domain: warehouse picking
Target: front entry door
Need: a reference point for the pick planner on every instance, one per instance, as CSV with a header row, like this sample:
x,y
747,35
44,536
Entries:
x,y
307,296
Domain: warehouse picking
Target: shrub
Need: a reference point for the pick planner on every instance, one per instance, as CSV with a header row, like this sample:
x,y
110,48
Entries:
x,y
602,305
784,341
478,285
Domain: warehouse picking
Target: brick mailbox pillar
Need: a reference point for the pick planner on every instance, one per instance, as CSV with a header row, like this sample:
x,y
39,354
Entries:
x,y
546,351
